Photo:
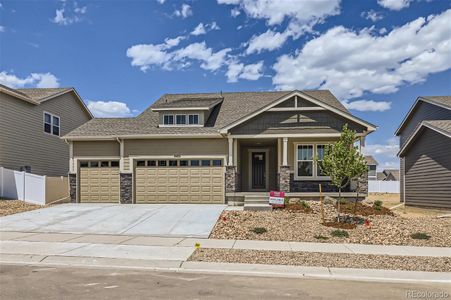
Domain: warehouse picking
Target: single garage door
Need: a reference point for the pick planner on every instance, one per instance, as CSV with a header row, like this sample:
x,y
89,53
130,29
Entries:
x,y
99,181
179,181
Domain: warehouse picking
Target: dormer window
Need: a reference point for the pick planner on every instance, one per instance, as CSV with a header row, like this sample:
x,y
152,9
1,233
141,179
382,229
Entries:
x,y
193,119
181,119
168,120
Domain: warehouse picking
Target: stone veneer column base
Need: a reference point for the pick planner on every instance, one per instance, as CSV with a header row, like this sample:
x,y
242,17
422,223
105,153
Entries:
x,y
73,188
284,179
230,179
363,184
126,193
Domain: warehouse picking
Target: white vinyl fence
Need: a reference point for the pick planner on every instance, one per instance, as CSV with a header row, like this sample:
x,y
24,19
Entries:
x,y
379,186
22,186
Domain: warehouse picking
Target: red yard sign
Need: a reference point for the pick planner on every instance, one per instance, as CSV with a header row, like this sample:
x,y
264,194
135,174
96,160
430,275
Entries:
x,y
277,199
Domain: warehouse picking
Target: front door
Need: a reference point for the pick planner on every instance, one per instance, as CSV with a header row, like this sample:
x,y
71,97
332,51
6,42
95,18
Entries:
x,y
258,170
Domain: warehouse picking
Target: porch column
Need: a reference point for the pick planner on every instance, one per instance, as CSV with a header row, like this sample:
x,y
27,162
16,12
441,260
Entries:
x,y
230,160
285,152
362,145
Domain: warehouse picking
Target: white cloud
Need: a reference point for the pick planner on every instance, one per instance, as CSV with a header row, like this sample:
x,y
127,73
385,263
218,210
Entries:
x,y
394,4
40,80
66,16
200,29
199,51
161,1
367,105
214,26
109,109
235,12
372,15
270,40
351,63
184,11
302,16
240,71
385,154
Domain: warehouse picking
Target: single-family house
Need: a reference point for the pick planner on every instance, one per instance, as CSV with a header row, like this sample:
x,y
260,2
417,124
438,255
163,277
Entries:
x,y
210,148
425,152
32,120
372,167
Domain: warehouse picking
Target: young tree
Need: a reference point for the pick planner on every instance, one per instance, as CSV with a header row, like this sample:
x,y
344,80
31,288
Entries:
x,y
342,161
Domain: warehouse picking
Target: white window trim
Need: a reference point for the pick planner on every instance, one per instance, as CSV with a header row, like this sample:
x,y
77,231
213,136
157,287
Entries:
x,y
173,120
195,124
315,165
184,124
177,124
51,124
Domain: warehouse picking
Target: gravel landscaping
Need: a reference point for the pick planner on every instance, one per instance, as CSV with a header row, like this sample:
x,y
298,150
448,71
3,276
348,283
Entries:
x,y
286,225
9,207
338,260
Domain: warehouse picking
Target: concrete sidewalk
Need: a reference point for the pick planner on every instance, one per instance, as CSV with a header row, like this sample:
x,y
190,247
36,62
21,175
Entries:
x,y
171,254
227,244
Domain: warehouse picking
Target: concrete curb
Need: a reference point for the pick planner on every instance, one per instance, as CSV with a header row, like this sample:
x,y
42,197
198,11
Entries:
x,y
372,275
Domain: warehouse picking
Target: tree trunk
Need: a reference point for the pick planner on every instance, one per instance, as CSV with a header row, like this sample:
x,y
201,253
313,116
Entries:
x,y
338,204
357,198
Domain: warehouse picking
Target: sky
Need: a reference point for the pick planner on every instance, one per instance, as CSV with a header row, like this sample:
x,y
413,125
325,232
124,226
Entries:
x,y
376,56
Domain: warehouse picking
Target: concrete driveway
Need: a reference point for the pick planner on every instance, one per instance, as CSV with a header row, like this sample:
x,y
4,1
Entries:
x,y
178,220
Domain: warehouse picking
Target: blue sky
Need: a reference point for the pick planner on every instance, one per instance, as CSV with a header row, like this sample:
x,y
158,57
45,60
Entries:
x,y
377,56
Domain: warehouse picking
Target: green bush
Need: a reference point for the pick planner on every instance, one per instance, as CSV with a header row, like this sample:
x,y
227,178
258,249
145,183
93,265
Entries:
x,y
305,204
420,236
259,230
286,200
377,203
320,237
343,201
339,233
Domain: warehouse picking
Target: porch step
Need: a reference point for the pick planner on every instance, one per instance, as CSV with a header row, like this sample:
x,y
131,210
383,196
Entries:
x,y
256,202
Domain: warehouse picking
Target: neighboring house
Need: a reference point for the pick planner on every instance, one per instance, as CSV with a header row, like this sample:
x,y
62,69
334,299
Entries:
x,y
425,152
31,124
388,175
209,148
372,166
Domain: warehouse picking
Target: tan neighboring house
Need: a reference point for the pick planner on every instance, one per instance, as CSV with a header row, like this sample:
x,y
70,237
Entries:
x,y
210,148
31,124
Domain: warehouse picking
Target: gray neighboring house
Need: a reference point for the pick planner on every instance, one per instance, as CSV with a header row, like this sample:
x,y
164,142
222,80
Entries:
x,y
372,167
31,124
210,148
388,175
425,152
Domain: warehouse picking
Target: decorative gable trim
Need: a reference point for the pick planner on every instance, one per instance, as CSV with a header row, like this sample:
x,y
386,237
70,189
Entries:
x,y
296,93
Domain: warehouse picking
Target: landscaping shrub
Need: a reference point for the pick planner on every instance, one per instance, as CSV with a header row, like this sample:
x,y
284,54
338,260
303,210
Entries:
x,y
377,205
339,233
305,204
420,236
259,230
343,201
320,237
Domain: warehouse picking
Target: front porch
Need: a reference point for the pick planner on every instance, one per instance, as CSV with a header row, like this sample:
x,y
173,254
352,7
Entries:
x,y
258,165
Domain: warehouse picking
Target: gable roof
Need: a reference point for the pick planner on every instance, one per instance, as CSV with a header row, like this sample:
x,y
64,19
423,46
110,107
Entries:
x,y
37,96
187,103
393,172
440,126
370,160
442,101
231,107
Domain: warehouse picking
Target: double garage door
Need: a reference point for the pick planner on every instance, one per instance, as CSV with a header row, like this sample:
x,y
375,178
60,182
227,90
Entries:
x,y
179,181
155,181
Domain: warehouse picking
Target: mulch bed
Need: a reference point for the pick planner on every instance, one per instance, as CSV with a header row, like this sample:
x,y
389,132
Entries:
x,y
294,225
364,210
316,259
298,207
9,207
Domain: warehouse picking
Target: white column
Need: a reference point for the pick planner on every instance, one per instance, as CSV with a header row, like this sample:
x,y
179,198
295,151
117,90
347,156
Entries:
x,y
71,157
230,162
285,152
121,154
279,153
235,152
362,145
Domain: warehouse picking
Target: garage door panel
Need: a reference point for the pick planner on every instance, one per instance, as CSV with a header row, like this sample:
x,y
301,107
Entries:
x,y
179,184
99,184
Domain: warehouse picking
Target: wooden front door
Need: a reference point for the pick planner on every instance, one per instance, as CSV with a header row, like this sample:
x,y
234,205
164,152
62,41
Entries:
x,y
258,170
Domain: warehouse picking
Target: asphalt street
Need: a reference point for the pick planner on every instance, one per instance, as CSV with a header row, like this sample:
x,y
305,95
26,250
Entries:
x,y
30,282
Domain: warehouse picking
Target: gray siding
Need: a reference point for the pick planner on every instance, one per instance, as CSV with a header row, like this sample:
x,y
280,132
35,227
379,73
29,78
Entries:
x,y
428,171
22,137
401,177
423,111
295,122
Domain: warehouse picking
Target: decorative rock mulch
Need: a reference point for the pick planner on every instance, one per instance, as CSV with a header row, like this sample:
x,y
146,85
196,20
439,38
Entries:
x,y
337,260
284,225
9,207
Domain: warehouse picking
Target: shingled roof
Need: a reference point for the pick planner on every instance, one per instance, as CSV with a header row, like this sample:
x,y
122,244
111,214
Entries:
x,y
444,100
40,94
234,106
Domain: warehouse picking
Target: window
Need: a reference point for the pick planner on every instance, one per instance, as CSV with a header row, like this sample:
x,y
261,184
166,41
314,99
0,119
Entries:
x,y
320,151
180,119
84,164
194,163
217,162
162,163
168,120
151,163
205,163
193,119
183,163
305,160
104,164
115,163
173,163
51,124
94,164
141,163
